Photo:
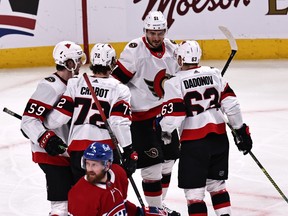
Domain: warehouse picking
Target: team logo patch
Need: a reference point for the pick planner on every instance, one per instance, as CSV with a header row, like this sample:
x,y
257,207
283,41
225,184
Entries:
x,y
50,79
156,86
133,45
152,153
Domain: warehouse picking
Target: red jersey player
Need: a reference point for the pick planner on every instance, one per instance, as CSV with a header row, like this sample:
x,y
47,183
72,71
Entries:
x,y
103,190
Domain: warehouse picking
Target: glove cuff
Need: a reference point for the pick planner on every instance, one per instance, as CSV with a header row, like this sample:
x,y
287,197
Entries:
x,y
45,137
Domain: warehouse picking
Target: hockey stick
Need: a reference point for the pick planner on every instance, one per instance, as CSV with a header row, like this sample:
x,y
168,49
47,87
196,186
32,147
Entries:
x,y
234,49
12,113
255,159
233,46
113,137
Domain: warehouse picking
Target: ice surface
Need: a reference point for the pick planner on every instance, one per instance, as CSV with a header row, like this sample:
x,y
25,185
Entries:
x,y
262,89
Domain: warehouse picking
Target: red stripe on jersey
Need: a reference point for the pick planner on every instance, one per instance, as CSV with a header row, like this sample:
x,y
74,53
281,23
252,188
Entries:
x,y
121,108
227,92
37,109
81,145
124,70
43,157
194,134
174,107
65,105
141,116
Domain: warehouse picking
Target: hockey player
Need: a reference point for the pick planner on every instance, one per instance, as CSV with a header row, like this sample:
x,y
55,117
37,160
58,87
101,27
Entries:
x,y
87,125
48,149
194,101
143,65
103,190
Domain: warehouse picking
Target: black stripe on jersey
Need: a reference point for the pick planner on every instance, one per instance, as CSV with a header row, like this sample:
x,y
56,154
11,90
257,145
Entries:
x,y
227,92
65,105
174,107
121,73
121,108
37,109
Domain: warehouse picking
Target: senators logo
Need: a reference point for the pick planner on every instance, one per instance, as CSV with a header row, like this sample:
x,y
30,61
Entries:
x,y
157,85
153,153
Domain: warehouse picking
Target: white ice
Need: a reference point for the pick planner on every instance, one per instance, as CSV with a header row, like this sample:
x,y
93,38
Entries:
x,y
262,89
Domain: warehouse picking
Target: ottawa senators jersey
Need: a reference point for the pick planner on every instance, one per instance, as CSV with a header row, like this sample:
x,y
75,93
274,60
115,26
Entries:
x,y
47,94
86,199
143,70
87,125
191,102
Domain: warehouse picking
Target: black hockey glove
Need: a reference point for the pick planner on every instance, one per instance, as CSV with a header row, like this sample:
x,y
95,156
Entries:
x,y
130,158
166,137
243,139
52,143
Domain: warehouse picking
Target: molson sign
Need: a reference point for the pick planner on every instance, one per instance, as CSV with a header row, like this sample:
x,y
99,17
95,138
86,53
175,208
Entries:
x,y
29,29
19,18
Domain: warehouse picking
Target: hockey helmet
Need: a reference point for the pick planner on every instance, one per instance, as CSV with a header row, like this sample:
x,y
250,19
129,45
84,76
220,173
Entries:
x,y
98,152
65,50
155,20
102,54
189,51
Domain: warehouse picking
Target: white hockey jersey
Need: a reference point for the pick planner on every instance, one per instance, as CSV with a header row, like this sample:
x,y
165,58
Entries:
x,y
87,126
47,94
143,70
191,103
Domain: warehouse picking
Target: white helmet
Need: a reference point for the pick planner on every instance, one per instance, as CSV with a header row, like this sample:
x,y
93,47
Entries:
x,y
189,51
102,54
155,20
68,50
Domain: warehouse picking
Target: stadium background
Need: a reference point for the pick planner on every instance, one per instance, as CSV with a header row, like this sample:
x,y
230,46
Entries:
x,y
29,29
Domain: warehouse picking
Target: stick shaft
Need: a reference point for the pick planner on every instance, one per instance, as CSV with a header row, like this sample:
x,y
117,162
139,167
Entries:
x,y
113,137
257,162
10,112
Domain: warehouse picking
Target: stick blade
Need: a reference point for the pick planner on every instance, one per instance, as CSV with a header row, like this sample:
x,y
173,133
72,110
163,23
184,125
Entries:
x,y
229,36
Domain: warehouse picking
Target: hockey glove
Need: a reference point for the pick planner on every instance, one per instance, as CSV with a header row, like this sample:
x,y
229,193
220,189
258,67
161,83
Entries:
x,y
166,137
52,143
243,139
130,158
151,211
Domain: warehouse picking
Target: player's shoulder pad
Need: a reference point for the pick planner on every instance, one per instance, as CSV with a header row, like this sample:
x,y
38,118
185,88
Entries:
x,y
50,79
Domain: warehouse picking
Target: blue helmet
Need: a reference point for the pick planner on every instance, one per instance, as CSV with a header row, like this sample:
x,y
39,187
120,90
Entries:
x,y
98,152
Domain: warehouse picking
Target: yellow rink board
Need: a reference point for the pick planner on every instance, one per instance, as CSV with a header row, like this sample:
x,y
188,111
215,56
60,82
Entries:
x,y
212,50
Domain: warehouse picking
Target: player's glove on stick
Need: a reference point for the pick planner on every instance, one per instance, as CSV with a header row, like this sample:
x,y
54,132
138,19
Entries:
x,y
243,139
52,143
166,137
151,211
130,158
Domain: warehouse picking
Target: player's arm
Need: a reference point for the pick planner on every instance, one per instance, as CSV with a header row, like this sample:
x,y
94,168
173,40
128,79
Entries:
x,y
173,108
231,107
36,111
63,110
120,117
126,64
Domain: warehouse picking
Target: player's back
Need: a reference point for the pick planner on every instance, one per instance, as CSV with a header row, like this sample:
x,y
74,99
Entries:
x,y
87,124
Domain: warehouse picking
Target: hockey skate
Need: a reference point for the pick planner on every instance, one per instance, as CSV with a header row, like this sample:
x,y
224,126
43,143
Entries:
x,y
170,212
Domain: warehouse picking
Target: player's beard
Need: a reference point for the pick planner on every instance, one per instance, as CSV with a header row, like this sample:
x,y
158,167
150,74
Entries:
x,y
94,178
